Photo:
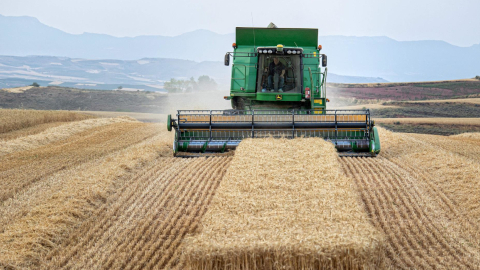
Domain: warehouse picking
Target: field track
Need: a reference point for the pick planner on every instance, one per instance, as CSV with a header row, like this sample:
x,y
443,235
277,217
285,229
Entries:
x,y
402,209
143,226
422,193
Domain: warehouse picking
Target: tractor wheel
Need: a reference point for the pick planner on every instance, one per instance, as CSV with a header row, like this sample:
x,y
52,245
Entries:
x,y
238,103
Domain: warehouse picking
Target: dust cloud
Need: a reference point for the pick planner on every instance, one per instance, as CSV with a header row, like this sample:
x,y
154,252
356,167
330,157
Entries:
x,y
212,100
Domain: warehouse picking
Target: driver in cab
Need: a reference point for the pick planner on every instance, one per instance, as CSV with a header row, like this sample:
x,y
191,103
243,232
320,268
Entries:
x,y
276,73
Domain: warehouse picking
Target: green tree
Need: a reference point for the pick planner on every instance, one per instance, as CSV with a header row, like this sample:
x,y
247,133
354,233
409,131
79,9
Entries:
x,y
205,83
35,84
172,86
119,88
192,85
477,77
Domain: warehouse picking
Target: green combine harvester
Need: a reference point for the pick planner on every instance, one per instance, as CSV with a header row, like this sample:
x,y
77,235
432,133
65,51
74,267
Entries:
x,y
278,89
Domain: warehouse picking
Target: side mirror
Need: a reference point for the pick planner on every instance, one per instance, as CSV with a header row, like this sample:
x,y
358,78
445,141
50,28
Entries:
x,y
227,59
324,60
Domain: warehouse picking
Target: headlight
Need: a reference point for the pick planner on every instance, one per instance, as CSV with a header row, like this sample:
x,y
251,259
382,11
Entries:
x,y
270,51
264,51
289,52
294,52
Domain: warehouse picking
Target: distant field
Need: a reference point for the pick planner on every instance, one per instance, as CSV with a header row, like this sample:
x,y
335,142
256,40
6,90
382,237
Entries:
x,y
62,98
454,100
441,117
435,120
427,109
438,126
409,91
74,99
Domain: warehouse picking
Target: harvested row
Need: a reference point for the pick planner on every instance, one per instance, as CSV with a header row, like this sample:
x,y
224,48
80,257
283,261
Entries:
x,y
420,233
19,170
450,173
273,210
29,131
15,119
463,146
58,133
143,226
38,219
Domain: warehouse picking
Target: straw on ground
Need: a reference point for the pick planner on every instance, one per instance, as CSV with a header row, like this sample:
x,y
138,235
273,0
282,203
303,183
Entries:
x,y
285,204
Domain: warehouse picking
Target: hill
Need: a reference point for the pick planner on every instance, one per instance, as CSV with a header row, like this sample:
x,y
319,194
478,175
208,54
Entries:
x,y
60,98
107,74
350,56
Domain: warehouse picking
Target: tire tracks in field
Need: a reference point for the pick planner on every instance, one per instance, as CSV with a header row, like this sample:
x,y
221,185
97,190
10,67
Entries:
x,y
119,206
456,201
462,221
164,232
143,225
169,259
401,212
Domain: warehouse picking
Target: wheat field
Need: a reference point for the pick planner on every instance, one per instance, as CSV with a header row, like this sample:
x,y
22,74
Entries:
x,y
15,119
106,193
274,210
423,193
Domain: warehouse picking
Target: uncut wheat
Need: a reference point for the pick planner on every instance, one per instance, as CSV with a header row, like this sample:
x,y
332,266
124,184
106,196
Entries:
x,y
15,119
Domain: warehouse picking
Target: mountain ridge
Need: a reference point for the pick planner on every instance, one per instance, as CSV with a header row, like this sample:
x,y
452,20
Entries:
x,y
379,56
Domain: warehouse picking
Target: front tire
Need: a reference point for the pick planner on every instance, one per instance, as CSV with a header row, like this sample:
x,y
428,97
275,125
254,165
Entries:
x,y
238,103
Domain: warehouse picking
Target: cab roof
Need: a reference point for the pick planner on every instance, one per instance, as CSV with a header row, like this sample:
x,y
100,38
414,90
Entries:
x,y
289,37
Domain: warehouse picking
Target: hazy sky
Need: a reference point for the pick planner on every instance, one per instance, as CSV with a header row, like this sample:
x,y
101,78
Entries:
x,y
454,21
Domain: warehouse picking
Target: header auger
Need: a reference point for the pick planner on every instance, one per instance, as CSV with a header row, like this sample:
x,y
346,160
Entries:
x,y
277,89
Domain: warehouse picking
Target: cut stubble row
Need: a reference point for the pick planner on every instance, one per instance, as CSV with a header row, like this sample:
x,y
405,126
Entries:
x,y
144,225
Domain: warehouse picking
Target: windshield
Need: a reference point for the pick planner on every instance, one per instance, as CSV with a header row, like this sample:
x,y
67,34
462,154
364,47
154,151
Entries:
x,y
270,73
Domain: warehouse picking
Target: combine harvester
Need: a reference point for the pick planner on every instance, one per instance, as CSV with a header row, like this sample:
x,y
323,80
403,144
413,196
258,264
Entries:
x,y
277,89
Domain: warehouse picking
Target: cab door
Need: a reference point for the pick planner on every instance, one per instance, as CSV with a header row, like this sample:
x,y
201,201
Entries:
x,y
244,70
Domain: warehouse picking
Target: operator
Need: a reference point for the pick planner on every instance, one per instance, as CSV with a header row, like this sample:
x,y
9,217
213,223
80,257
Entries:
x,y
276,76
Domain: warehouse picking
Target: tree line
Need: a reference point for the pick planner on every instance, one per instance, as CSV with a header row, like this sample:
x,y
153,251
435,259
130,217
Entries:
x,y
204,83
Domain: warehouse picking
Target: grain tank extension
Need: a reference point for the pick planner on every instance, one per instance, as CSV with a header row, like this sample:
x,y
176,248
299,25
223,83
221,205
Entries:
x,y
278,89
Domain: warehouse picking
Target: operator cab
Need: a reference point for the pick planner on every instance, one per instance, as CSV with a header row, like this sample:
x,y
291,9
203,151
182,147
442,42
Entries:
x,y
290,58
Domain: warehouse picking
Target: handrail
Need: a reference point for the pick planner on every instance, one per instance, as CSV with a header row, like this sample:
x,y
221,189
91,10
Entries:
x,y
324,83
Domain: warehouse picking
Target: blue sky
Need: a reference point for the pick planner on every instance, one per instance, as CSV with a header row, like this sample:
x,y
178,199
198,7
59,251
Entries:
x,y
456,22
